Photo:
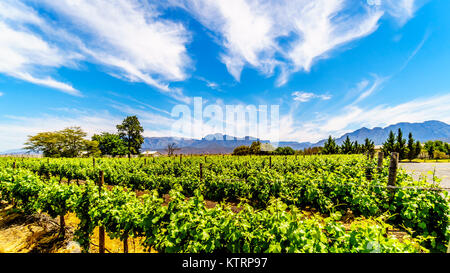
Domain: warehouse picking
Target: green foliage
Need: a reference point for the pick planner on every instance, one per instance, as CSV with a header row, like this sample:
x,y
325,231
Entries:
x,y
400,145
437,149
413,149
131,132
111,144
369,146
273,222
255,148
347,147
69,142
284,151
430,147
242,150
389,145
330,147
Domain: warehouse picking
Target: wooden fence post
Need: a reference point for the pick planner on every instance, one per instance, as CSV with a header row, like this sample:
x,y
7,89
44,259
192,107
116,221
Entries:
x,y
93,162
380,161
181,158
393,170
125,244
101,229
270,162
201,171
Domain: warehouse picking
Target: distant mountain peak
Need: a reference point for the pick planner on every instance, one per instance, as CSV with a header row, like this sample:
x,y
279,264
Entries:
x,y
213,143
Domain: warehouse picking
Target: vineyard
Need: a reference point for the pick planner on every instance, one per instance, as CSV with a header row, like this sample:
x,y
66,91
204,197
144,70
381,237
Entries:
x,y
277,204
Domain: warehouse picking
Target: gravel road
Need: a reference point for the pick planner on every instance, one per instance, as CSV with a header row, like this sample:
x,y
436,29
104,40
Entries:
x,y
418,169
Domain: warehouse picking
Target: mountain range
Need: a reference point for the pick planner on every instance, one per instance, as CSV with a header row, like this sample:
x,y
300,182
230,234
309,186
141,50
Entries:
x,y
219,144
225,144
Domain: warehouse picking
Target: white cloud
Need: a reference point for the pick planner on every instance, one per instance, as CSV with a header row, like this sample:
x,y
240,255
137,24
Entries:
x,y
49,82
1,94
14,130
365,90
353,117
403,10
23,54
130,38
305,96
291,34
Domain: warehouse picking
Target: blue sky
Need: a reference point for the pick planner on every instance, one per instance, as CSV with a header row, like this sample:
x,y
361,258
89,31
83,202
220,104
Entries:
x,y
332,66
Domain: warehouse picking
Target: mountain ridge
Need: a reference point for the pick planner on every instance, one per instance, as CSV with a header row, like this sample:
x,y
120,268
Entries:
x,y
219,143
225,144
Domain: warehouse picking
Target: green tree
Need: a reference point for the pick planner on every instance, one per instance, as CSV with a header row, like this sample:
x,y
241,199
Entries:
x,y
241,150
400,145
131,132
430,148
330,147
91,148
68,142
389,145
284,151
418,148
447,148
255,148
347,146
111,144
357,149
411,148
369,146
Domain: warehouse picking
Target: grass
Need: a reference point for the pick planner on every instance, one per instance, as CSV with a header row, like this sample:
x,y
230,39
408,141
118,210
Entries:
x,y
427,161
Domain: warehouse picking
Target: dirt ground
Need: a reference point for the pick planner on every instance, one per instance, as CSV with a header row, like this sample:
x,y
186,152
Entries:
x,y
441,170
21,233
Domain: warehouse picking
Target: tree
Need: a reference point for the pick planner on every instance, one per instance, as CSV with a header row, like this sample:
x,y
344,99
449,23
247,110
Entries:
x,y
241,150
357,149
255,148
369,146
389,145
73,141
131,132
347,146
284,151
400,145
69,142
429,147
330,147
171,148
411,148
91,148
111,144
447,148
418,148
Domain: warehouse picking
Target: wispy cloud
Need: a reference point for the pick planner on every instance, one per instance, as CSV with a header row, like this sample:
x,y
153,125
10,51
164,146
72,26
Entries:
x,y
289,35
354,117
366,88
305,96
130,38
14,130
210,84
24,53
416,50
